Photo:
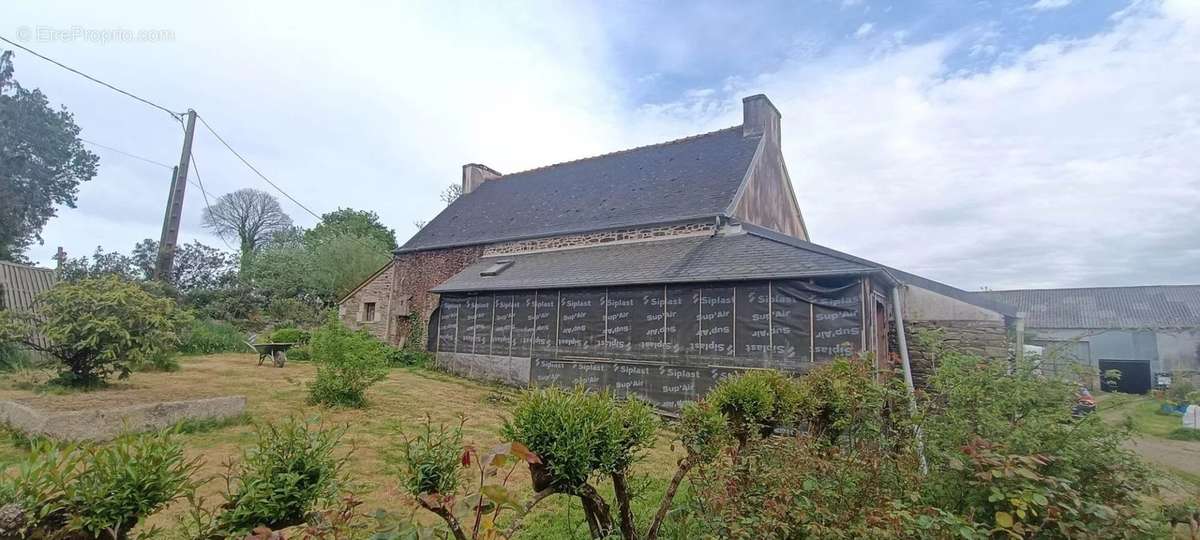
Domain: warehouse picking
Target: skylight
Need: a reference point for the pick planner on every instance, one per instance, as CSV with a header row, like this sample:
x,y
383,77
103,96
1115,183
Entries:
x,y
495,269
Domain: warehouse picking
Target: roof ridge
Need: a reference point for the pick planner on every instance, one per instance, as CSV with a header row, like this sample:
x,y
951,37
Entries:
x,y
1109,287
625,151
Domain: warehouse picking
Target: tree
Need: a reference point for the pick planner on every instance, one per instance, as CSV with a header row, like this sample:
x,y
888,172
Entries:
x,y
348,221
249,215
326,270
42,162
97,327
102,263
451,193
197,266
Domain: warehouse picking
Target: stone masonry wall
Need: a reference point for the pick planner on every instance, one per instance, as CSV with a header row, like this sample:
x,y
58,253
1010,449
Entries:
x,y
378,290
600,237
988,339
415,274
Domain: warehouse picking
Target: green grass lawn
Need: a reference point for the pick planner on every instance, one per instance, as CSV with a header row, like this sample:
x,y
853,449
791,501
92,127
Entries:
x,y
1143,412
401,402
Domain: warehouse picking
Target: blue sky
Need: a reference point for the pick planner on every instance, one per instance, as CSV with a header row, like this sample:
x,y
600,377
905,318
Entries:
x,y
1026,143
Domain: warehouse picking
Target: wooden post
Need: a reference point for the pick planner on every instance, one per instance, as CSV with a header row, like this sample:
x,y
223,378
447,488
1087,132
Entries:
x,y
170,230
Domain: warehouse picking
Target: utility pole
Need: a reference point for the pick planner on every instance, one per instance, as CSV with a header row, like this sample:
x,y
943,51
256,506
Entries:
x,y
170,230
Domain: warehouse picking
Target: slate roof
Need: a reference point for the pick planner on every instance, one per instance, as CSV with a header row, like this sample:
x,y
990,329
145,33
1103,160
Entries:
x,y
752,254
1162,306
898,275
689,178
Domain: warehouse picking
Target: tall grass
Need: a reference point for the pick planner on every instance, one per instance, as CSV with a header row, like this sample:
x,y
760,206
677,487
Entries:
x,y
209,336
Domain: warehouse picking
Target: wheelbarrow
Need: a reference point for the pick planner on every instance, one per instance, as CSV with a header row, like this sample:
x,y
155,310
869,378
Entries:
x,y
277,352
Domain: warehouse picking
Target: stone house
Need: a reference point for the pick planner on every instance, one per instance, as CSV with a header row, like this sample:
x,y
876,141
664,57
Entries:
x,y
1139,331
654,270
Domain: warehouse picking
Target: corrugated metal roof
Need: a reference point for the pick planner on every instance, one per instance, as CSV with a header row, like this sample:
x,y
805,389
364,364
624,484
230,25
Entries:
x,y
1158,306
678,180
722,257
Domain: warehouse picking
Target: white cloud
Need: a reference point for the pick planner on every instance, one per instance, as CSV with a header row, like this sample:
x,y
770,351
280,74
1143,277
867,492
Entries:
x,y
864,30
1074,164
1048,5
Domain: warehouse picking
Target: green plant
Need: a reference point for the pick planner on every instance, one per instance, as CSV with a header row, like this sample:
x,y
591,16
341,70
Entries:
x,y
579,434
292,469
431,465
95,491
842,399
302,353
13,357
290,335
101,326
1180,390
349,363
756,402
406,357
207,336
1185,434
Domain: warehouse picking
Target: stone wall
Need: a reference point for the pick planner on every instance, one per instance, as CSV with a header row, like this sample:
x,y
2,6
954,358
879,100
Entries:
x,y
415,274
600,237
510,370
988,339
106,424
377,289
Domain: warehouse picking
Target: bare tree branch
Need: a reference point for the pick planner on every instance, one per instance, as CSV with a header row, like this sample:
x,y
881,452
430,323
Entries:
x,y
249,215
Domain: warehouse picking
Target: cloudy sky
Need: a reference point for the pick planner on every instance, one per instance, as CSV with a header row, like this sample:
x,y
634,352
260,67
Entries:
x,y
1027,143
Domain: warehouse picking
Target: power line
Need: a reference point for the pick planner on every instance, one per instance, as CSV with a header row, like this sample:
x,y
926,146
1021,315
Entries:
x,y
196,168
256,171
273,184
173,114
135,156
127,154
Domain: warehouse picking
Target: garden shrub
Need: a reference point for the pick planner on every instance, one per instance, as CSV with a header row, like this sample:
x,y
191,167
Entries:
x,y
13,357
1180,389
206,336
1005,458
99,327
290,335
578,434
349,362
406,357
292,469
94,491
756,402
302,353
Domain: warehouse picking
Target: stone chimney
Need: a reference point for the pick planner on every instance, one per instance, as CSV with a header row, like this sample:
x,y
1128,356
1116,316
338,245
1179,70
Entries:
x,y
475,175
759,117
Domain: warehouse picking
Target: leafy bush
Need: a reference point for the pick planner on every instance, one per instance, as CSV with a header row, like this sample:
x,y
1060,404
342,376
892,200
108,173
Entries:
x,y
756,402
430,461
1180,389
431,466
13,357
290,335
101,326
302,353
406,357
94,491
578,434
206,336
349,363
291,470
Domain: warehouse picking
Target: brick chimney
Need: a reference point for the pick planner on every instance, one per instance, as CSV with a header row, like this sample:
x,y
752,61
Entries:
x,y
759,117
475,175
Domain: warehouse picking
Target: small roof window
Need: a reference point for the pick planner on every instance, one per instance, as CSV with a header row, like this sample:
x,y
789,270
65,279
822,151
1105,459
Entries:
x,y
496,268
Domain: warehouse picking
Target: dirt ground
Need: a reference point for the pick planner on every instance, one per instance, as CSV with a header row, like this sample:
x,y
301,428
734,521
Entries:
x,y
401,401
